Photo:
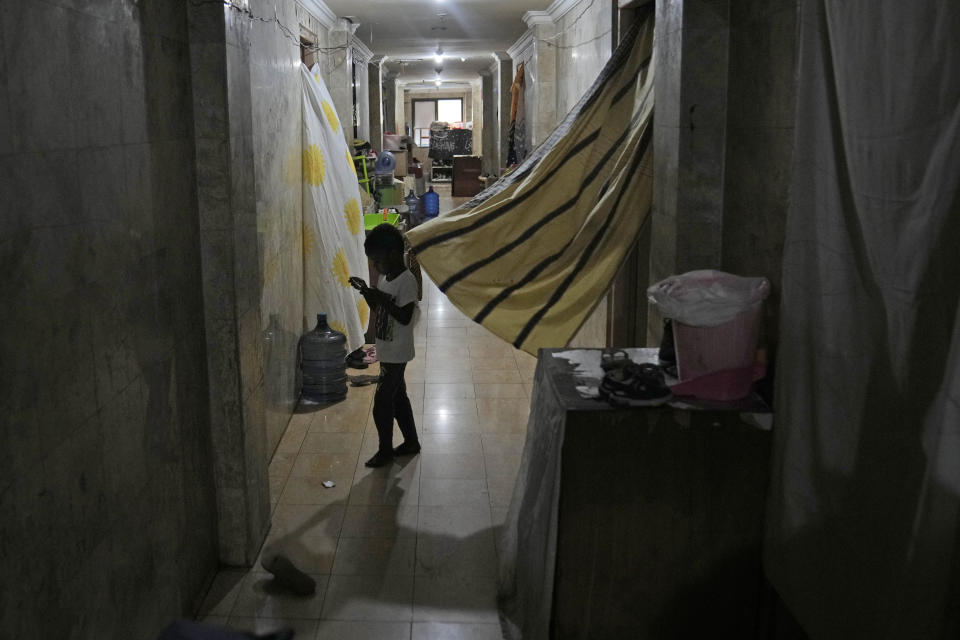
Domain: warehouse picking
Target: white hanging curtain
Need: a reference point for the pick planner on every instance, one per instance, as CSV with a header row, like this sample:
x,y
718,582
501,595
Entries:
x,y
863,532
332,218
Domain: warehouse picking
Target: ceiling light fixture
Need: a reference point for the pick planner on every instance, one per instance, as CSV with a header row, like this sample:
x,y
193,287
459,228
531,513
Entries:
x,y
462,59
437,82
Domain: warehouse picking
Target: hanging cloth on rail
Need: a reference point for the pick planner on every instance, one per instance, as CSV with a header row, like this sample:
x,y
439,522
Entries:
x,y
530,257
333,231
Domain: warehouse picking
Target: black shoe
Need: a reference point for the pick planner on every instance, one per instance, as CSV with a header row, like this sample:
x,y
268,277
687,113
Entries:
x,y
407,449
635,385
379,459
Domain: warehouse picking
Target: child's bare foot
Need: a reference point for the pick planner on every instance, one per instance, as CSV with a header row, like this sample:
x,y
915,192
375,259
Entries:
x,y
379,459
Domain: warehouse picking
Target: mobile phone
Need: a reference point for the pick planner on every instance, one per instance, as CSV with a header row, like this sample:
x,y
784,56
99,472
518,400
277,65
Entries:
x,y
358,283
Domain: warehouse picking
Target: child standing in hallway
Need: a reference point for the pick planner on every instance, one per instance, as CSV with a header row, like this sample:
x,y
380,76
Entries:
x,y
394,300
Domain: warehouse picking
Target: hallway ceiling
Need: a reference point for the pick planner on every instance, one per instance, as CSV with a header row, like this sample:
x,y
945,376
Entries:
x,y
408,32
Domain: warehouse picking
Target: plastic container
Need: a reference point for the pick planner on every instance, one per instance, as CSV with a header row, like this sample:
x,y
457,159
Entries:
x,y
431,203
322,354
716,318
413,208
717,363
371,220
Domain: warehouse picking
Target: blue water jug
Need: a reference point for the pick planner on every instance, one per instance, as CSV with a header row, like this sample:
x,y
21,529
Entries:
x,y
431,203
413,208
322,365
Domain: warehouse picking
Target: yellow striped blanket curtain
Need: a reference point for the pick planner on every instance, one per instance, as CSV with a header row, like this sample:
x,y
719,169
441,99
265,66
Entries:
x,y
530,257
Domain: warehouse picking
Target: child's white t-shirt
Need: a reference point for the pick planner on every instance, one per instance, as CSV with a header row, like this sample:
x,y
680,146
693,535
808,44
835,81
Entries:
x,y
395,340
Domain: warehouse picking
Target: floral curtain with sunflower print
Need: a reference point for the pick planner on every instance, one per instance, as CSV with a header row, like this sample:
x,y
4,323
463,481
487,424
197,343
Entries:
x,y
332,218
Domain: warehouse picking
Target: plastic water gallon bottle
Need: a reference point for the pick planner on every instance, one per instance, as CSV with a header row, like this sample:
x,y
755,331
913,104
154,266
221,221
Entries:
x,y
322,354
431,203
413,207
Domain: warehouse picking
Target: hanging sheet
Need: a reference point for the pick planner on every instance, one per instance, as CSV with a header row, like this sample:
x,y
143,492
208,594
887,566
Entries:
x,y
332,218
864,515
530,257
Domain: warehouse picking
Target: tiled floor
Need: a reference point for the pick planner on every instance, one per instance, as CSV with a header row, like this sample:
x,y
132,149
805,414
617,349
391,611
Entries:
x,y
407,551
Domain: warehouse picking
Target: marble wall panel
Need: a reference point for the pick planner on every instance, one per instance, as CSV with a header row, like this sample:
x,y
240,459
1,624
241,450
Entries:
x,y
583,47
103,385
759,134
277,103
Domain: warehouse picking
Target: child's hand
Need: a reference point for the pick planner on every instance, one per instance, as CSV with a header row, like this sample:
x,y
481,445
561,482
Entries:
x,y
374,296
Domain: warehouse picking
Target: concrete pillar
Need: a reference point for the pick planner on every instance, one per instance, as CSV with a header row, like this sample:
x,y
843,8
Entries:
x,y
689,138
476,115
223,132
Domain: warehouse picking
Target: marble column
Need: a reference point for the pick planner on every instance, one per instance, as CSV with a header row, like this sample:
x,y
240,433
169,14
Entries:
x,y
476,115
337,69
488,123
689,138
504,78
223,132
542,74
375,98
390,120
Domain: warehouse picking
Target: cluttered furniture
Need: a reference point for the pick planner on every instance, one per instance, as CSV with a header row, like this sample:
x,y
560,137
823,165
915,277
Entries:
x,y
466,176
633,522
445,144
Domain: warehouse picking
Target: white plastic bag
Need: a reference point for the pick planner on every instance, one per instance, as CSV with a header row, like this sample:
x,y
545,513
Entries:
x,y
707,298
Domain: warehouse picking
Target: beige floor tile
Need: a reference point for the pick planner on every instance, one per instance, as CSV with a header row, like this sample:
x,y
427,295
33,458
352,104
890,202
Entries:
x,y
362,630
456,631
294,435
493,364
527,376
223,593
309,490
455,599
332,443
454,521
501,490
528,386
276,486
502,443
499,516
339,422
261,597
449,390
391,485
325,519
450,405
301,628
281,463
459,374
375,556
450,423
450,493
380,521
503,409
446,332
310,550
496,376
452,465
370,598
324,465
501,465
451,443
498,390
439,555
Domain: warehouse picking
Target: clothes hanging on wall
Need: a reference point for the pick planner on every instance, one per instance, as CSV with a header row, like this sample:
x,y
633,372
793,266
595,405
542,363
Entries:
x,y
333,230
516,134
530,257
